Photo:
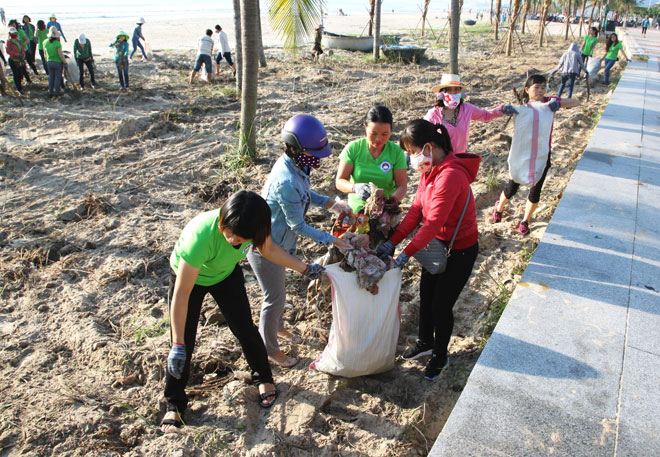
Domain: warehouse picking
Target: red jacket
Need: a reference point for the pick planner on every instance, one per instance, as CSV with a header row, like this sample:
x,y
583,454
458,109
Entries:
x,y
15,49
439,200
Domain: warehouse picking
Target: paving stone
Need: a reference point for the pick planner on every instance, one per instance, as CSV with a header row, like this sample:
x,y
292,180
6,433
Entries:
x,y
640,395
452,446
637,443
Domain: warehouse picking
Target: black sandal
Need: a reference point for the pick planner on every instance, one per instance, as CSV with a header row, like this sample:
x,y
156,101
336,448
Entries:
x,y
263,397
177,423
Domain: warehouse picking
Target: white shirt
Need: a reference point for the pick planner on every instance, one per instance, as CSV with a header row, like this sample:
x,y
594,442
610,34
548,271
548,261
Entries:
x,y
224,41
206,45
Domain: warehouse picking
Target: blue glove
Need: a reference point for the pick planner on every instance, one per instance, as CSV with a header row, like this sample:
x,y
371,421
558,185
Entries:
x,y
362,190
554,105
401,260
313,270
509,109
176,360
385,250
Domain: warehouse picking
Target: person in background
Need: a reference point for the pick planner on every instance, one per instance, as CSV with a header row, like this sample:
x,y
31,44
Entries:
x,y
570,65
121,58
223,52
373,159
2,55
612,48
456,114
53,22
137,36
590,41
82,51
31,51
2,16
645,25
42,35
204,53
16,54
55,57
288,194
317,50
534,90
205,260
443,190
22,36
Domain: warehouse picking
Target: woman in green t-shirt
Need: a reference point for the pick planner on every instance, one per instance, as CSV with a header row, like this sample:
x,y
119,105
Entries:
x,y
588,46
55,58
42,35
373,159
612,48
205,260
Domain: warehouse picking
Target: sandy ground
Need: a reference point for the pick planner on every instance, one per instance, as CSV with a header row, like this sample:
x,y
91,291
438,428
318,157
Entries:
x,y
96,187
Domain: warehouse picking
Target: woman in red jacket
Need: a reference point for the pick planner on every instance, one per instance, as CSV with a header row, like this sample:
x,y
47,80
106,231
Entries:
x,y
444,187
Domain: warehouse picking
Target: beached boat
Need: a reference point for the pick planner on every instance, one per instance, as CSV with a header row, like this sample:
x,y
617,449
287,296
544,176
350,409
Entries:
x,y
347,42
407,53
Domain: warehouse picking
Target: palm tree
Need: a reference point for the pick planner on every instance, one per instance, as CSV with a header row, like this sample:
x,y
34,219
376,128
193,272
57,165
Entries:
x,y
247,144
239,50
294,20
377,29
453,44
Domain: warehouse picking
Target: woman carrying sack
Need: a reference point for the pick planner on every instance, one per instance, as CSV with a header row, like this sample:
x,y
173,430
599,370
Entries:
x,y
442,193
121,58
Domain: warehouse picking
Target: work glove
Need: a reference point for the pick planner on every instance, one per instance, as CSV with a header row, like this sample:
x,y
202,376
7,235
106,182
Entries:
x,y
509,109
554,105
362,190
176,360
340,207
385,250
401,260
313,270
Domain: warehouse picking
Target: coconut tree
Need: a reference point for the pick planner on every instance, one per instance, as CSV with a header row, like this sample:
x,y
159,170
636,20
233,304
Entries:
x,y
247,144
515,12
239,49
294,20
372,11
453,44
377,29
498,12
544,13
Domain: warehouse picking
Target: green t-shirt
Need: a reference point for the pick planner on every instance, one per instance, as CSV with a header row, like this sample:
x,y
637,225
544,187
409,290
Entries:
x,y
51,48
379,171
41,36
589,42
614,51
202,245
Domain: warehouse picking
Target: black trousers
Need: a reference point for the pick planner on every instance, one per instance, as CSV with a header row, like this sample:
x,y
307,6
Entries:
x,y
30,56
535,191
19,72
81,69
231,297
437,297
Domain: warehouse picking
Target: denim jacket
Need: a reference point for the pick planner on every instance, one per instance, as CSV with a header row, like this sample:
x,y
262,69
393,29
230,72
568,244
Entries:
x,y
287,191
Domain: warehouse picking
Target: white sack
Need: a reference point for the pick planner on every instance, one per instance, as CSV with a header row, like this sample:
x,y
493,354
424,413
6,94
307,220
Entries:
x,y
593,67
531,142
365,327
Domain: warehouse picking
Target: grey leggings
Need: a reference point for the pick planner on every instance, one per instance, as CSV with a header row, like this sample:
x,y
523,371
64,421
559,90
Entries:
x,y
271,278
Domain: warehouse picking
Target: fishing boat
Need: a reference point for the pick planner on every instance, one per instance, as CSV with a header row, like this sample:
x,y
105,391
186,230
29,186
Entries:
x,y
347,42
407,53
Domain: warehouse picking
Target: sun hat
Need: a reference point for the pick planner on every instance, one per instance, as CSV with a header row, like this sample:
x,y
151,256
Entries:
x,y
122,33
140,21
52,16
448,80
13,30
82,39
53,32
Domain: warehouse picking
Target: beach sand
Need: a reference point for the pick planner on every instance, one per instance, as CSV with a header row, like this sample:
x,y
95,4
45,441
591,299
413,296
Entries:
x,y
96,187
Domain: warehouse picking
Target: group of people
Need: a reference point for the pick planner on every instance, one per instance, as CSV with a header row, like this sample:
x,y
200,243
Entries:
x,y
205,53
25,40
265,229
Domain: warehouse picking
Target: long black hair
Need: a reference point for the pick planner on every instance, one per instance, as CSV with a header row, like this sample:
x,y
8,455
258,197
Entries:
x,y
420,131
609,41
247,215
379,114
533,79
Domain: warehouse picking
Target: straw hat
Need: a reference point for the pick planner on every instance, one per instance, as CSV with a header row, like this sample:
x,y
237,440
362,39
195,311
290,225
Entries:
x,y
140,21
53,32
448,80
53,17
124,34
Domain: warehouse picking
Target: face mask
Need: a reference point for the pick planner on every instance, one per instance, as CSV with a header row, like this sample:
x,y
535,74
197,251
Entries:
x,y
451,101
421,162
303,160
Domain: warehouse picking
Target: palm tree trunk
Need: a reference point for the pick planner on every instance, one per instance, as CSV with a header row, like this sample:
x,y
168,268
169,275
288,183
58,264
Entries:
x,y
262,54
568,20
498,12
491,12
453,45
584,6
426,9
544,13
372,11
515,13
377,29
525,13
239,49
249,24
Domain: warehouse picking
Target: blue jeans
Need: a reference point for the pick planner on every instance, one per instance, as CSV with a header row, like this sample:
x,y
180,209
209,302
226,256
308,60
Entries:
x,y
136,45
123,73
54,77
570,78
609,63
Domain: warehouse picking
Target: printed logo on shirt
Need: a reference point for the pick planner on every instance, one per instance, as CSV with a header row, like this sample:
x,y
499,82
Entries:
x,y
385,166
246,249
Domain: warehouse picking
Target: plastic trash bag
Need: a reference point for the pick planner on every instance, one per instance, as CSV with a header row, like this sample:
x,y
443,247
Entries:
x,y
530,145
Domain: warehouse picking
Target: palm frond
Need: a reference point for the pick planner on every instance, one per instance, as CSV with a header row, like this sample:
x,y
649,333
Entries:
x,y
295,20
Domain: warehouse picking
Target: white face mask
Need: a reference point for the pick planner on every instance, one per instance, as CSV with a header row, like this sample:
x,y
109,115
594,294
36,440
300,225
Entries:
x,y
421,162
451,101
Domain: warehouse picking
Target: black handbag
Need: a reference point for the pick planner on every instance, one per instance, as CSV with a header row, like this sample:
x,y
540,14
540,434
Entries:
x,y
434,256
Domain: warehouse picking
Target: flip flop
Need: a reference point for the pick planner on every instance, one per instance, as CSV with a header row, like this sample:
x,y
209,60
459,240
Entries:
x,y
263,397
288,362
175,422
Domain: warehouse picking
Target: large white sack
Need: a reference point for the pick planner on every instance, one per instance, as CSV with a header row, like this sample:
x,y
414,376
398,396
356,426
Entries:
x,y
72,67
593,67
531,142
365,327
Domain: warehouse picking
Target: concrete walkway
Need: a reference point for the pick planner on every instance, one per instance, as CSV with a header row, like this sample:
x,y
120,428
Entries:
x,y
573,366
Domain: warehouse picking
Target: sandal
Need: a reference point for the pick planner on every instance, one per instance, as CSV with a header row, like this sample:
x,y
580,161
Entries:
x,y
263,398
177,423
288,362
291,338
